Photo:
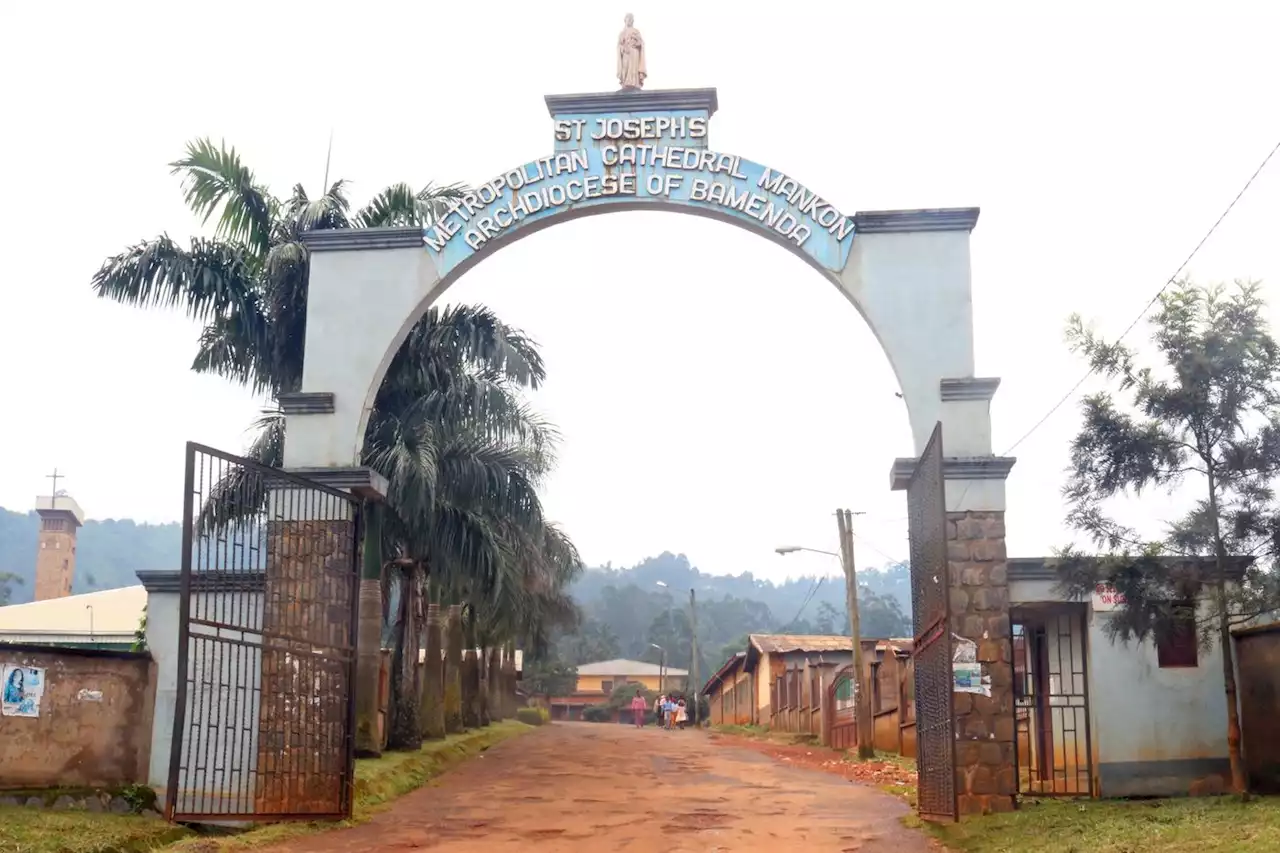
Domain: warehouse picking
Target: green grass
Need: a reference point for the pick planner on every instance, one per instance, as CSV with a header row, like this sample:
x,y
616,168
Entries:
x,y
1200,825
24,830
378,782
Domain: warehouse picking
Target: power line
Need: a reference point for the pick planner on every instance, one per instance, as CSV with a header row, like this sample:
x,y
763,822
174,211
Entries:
x,y
813,589
1152,301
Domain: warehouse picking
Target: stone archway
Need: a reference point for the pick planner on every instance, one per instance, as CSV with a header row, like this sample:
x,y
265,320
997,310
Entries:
x,y
906,271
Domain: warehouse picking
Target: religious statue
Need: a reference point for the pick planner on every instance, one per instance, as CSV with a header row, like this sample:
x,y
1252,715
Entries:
x,y
631,70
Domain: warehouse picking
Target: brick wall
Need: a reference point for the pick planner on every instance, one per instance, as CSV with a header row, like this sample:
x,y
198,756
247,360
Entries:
x,y
94,723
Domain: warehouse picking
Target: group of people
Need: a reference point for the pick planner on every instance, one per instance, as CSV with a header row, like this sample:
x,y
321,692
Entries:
x,y
669,711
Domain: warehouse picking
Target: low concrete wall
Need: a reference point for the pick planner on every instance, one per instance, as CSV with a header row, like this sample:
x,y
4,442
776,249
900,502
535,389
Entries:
x,y
93,728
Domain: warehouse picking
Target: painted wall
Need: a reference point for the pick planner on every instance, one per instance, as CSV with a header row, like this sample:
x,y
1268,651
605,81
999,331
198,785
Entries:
x,y
595,683
1156,731
94,725
227,713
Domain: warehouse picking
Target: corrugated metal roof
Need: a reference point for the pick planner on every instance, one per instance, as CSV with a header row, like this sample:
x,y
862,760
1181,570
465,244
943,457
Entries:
x,y
114,612
627,667
783,643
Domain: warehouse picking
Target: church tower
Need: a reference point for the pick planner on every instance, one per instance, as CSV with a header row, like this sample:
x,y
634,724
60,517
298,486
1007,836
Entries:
x,y
60,518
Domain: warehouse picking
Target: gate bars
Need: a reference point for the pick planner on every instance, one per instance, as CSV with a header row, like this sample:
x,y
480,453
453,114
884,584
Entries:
x,y
932,652
264,717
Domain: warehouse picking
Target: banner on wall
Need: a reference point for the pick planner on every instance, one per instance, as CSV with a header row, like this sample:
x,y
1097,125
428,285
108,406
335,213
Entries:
x,y
23,687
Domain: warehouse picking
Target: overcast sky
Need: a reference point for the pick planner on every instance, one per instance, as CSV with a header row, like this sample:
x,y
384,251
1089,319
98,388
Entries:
x,y
716,396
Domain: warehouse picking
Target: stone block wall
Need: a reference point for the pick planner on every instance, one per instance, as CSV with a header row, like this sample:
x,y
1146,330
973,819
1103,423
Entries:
x,y
307,642
986,771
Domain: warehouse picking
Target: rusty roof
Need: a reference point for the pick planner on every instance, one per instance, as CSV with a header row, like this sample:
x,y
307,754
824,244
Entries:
x,y
783,643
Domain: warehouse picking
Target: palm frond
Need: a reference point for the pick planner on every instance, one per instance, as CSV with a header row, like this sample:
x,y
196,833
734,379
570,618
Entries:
x,y
214,178
400,205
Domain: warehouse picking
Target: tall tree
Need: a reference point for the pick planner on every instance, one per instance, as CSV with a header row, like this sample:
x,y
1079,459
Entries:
x,y
461,451
1205,417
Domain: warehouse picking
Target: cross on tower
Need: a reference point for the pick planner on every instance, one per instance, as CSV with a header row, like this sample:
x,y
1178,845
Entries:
x,y
55,476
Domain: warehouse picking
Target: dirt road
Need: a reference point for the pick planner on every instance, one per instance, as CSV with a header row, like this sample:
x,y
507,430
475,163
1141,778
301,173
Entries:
x,y
604,788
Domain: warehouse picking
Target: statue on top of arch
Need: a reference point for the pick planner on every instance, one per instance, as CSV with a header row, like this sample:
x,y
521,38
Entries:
x,y
631,70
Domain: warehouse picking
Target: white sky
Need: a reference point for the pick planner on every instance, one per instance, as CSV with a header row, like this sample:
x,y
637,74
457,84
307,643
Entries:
x,y
717,397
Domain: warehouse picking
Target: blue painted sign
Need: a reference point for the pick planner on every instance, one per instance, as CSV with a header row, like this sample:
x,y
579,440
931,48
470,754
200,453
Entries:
x,y
648,161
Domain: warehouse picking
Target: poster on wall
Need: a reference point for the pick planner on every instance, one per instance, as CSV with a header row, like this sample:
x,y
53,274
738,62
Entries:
x,y
23,687
966,672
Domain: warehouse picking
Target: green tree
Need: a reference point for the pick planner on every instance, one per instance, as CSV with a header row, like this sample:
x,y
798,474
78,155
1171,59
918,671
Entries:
x,y
8,580
1205,417
828,620
550,678
462,452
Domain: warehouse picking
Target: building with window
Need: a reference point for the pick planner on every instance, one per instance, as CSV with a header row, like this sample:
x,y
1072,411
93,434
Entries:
x,y
597,681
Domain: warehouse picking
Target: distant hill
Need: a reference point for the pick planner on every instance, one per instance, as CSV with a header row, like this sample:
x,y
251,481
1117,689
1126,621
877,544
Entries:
x,y
630,612
108,552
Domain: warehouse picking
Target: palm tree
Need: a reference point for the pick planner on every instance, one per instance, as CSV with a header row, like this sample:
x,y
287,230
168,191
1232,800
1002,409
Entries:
x,y
461,451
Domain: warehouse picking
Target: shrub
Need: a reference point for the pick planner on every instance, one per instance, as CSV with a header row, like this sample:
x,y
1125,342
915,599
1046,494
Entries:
x,y
532,716
598,714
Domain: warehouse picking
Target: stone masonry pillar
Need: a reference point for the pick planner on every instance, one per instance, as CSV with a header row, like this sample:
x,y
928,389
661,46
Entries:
x,y
986,774
985,769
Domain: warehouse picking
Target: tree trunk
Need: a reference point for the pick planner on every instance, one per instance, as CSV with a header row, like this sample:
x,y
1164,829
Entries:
x,y
453,671
470,674
496,711
406,697
509,703
482,684
369,637
1239,781
432,714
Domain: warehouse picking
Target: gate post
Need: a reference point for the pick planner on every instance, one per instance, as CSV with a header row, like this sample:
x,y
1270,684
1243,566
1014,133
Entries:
x,y
986,773
978,608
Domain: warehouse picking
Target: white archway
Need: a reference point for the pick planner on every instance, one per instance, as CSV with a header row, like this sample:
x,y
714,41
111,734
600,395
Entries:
x,y
907,272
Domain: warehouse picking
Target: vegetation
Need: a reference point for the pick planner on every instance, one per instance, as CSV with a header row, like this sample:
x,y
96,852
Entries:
x,y
1206,418
31,830
533,716
627,611
463,453
1188,825
109,553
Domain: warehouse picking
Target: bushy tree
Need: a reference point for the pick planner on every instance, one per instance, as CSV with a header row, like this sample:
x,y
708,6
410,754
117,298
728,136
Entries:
x,y
1204,418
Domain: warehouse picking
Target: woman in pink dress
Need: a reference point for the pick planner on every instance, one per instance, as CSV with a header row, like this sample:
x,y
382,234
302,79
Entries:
x,y
638,707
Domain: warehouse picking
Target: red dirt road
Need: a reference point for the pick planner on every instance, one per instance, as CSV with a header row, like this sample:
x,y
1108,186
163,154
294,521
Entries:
x,y
584,787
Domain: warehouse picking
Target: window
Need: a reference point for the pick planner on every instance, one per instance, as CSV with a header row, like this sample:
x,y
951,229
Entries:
x,y
606,686
1178,646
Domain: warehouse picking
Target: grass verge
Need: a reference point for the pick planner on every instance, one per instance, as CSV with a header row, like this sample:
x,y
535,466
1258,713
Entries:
x,y
25,830
1186,825
378,782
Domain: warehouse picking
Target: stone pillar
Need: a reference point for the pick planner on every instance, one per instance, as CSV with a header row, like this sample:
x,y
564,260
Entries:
x,y
308,599
986,773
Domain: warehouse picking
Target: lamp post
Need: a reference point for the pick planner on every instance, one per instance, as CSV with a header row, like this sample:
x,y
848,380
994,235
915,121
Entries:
x,y
662,668
693,650
89,607
844,517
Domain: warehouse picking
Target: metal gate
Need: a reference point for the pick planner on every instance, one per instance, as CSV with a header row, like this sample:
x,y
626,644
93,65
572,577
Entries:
x,y
931,653
1053,751
842,721
264,715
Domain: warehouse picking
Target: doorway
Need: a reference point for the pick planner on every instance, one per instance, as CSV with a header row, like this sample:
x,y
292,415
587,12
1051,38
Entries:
x,y
1054,750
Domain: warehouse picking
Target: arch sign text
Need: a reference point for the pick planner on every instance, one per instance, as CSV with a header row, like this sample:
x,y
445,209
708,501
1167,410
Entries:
x,y
636,150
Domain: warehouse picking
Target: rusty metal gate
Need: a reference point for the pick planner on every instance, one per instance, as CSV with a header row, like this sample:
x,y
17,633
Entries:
x,y
842,719
264,712
931,654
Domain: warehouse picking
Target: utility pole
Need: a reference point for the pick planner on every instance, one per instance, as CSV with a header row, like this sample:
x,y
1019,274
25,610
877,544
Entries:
x,y
693,644
862,697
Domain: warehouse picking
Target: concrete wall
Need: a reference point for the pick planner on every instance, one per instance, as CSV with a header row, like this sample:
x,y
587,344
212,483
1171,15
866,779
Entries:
x,y
594,683
1155,731
94,726
224,717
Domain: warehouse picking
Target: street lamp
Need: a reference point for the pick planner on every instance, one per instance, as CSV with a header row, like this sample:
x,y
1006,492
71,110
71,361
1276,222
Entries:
x,y
662,666
866,748
692,678
89,607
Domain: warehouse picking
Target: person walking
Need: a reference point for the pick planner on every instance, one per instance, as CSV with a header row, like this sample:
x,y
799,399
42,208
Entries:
x,y
638,707
657,708
682,715
668,713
